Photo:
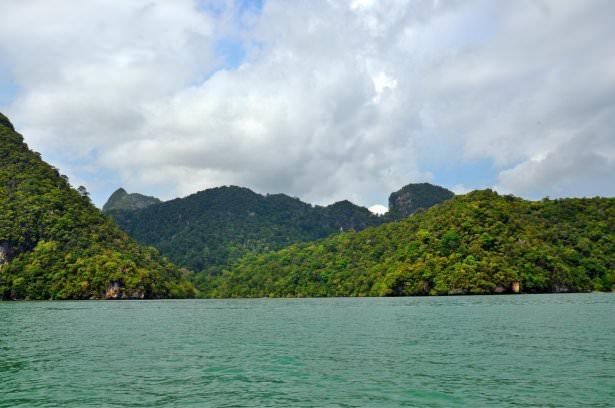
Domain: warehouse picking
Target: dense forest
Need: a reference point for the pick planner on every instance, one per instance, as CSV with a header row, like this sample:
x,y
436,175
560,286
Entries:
x,y
209,230
54,244
479,243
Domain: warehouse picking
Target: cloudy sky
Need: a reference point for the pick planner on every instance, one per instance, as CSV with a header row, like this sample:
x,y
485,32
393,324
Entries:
x,y
323,100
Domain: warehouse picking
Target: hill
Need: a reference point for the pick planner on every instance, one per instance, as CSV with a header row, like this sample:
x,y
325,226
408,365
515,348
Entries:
x,y
210,229
121,200
479,243
54,244
413,197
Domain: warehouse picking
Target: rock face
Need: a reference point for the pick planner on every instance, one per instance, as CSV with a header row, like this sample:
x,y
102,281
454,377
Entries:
x,y
413,197
121,200
5,252
114,292
516,287
500,289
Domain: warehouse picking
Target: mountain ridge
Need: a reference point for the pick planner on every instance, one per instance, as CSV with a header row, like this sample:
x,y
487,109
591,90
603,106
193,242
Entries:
x,y
209,229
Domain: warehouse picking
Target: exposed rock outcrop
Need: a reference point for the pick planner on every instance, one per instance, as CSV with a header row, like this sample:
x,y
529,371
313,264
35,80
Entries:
x,y
5,252
500,289
413,197
115,291
121,200
516,287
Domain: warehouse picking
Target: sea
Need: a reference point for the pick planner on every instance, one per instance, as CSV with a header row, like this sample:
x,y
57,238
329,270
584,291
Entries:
x,y
552,350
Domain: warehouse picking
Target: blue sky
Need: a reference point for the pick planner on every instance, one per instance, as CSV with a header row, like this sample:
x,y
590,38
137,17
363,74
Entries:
x,y
8,87
317,99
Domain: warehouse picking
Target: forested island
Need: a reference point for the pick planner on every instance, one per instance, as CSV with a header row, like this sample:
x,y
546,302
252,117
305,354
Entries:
x,y
55,244
233,242
209,231
479,243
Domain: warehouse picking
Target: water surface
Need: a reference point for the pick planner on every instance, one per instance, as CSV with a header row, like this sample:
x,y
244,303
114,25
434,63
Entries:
x,y
528,350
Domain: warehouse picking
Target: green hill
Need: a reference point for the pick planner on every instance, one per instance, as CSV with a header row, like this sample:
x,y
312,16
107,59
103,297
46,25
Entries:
x,y
413,197
121,200
479,243
54,244
209,230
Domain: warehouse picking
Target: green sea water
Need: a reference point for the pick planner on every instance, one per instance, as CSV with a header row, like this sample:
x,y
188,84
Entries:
x,y
527,350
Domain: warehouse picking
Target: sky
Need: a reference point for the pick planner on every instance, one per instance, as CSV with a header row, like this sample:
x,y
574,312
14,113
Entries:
x,y
320,99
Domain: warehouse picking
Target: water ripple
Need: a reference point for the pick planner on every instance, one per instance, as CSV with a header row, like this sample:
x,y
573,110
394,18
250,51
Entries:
x,y
528,350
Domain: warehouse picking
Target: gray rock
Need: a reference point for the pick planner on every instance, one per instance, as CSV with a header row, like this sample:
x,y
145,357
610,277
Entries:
x,y
121,200
5,252
414,197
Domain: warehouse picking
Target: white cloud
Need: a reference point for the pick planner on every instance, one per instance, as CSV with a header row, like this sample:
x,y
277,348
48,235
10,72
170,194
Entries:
x,y
583,166
379,209
86,69
460,189
334,100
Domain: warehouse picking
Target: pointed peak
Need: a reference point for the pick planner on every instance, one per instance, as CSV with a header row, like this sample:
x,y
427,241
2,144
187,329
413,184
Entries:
x,y
412,197
121,200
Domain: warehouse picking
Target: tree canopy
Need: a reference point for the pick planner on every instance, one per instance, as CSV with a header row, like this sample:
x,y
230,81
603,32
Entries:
x,y
54,244
479,243
210,230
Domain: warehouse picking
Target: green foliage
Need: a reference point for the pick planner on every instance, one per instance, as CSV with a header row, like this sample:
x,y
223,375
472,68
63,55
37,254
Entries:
x,y
210,230
476,244
4,121
54,244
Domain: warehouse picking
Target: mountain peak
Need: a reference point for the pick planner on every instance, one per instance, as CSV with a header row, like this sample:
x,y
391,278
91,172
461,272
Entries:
x,y
119,193
121,200
412,197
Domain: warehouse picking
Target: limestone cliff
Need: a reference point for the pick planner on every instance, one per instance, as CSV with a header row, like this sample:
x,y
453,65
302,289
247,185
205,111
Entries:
x,y
121,200
413,197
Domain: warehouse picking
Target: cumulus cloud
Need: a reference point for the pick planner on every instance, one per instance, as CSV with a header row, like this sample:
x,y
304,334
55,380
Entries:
x,y
460,189
332,100
379,209
583,166
85,69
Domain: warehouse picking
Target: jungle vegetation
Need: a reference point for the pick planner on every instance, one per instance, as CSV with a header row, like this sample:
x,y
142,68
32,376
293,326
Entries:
x,y
479,243
210,230
55,244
